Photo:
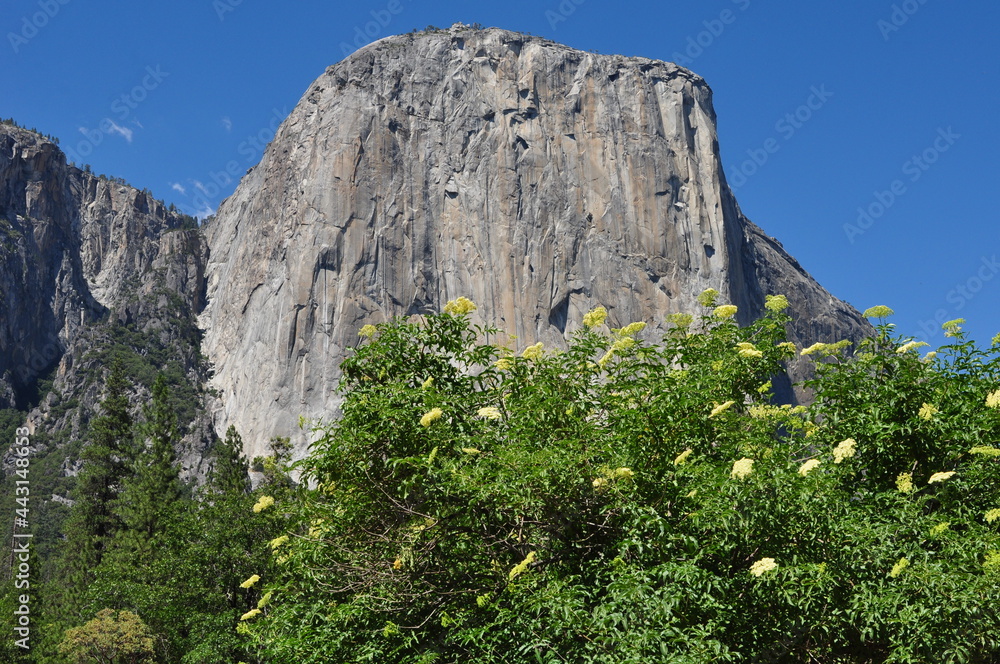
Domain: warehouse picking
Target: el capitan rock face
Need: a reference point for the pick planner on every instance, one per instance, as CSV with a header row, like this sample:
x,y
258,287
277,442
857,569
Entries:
x,y
535,179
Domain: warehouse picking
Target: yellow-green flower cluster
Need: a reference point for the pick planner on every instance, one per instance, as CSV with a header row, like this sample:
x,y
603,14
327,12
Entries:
x,y
489,413
764,411
821,348
471,450
595,317
993,399
278,541
683,457
367,331
927,411
265,600
504,364
898,568
725,311
427,384
808,467
459,306
762,566
533,352
879,311
992,515
632,328
985,450
940,477
845,449
904,483
622,474
787,347
707,297
940,528
252,613
992,562
623,344
681,320
747,349
953,327
431,416
741,469
263,503
911,345
776,303
251,581
721,408
521,566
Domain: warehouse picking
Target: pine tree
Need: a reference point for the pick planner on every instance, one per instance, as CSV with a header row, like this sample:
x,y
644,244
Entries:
x,y
93,520
229,473
151,495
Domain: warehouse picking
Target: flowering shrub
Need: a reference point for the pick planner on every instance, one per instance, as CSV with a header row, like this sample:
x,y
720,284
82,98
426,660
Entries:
x,y
645,502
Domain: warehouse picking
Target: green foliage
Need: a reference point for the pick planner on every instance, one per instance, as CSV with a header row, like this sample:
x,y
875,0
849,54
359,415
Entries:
x,y
626,501
151,494
110,638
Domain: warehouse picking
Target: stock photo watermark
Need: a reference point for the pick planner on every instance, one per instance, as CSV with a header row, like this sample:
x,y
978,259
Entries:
x,y
562,13
959,296
32,24
372,30
250,148
122,107
786,127
40,362
21,544
913,168
697,44
900,16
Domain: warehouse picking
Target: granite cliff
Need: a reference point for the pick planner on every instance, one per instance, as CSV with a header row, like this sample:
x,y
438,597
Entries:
x,y
535,179
92,269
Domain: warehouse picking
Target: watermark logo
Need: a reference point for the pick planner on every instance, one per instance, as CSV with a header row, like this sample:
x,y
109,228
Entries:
x,y
122,107
32,25
959,296
699,43
21,545
914,168
562,13
223,7
900,16
786,127
204,191
371,30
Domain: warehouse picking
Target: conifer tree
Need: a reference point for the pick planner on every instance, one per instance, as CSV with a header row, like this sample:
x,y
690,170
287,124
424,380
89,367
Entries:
x,y
93,520
229,473
151,496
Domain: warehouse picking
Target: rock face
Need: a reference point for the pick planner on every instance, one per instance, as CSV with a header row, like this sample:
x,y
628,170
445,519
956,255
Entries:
x,y
89,266
537,180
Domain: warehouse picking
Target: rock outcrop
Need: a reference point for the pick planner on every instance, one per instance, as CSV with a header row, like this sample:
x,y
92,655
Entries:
x,y
535,179
89,268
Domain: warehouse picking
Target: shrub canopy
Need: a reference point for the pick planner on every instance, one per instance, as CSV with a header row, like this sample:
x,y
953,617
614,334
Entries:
x,y
633,501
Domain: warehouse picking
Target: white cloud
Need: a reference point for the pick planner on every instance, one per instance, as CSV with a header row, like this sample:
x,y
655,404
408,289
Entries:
x,y
122,131
200,187
227,123
205,211
178,187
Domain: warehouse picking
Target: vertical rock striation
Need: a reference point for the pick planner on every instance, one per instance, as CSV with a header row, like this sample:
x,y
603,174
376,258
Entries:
x,y
536,179
90,267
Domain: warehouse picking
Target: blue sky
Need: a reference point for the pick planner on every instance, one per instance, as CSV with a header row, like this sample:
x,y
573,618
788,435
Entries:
x,y
862,134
